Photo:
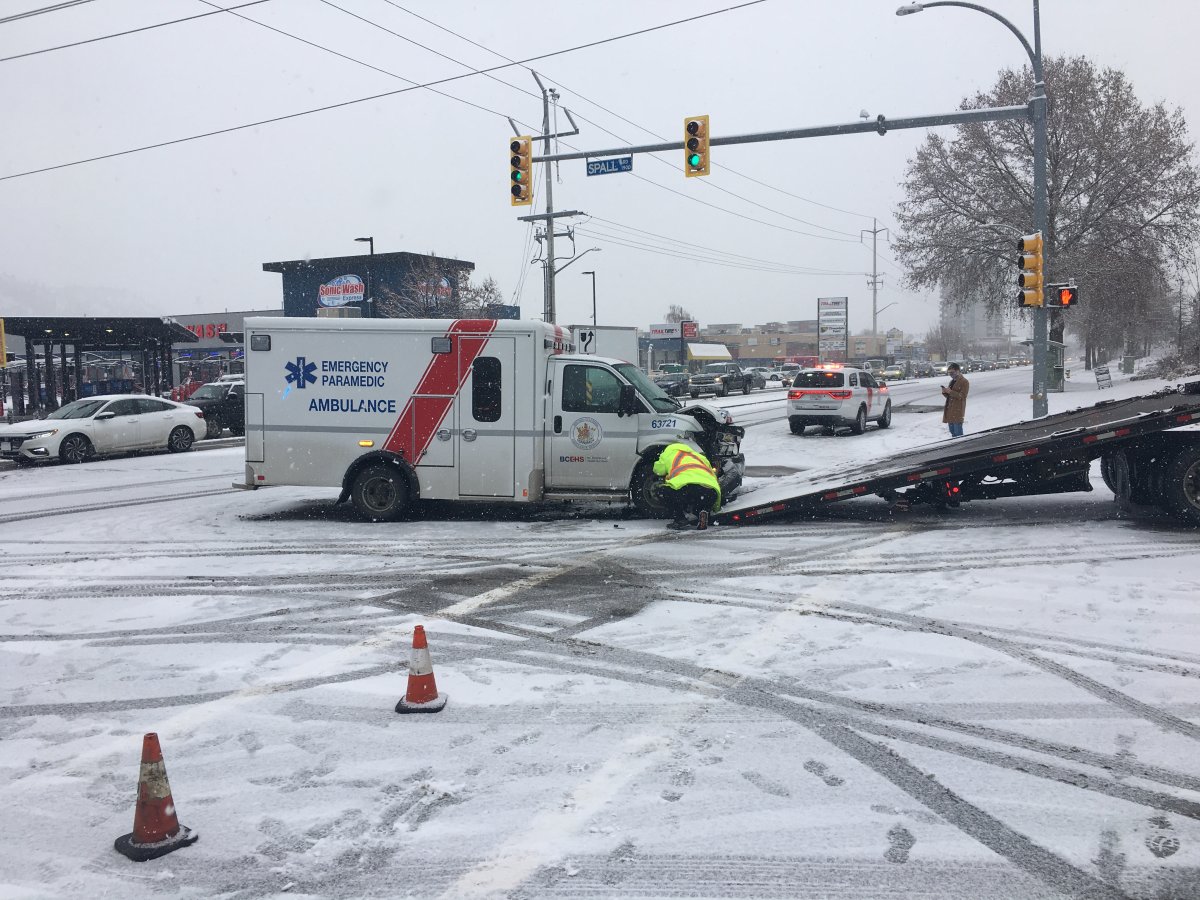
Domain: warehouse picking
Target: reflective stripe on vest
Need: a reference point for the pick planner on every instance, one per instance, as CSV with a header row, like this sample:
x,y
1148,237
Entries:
x,y
678,467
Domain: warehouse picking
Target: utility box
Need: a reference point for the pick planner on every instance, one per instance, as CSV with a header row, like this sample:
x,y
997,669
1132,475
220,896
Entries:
x,y
1127,365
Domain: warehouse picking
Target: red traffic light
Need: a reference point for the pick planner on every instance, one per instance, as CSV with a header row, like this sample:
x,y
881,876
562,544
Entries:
x,y
1066,297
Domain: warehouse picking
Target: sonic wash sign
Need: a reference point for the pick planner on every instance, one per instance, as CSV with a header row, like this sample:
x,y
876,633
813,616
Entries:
x,y
833,338
341,290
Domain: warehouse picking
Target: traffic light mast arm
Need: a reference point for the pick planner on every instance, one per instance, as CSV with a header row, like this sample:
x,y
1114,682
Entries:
x,y
880,125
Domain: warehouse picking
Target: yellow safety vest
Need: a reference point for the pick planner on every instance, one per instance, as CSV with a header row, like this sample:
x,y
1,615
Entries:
x,y
680,465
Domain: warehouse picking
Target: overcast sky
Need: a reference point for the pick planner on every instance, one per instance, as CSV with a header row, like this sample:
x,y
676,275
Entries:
x,y
186,228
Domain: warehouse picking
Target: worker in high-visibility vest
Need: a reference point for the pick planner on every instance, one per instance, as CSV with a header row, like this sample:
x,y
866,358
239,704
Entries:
x,y
690,485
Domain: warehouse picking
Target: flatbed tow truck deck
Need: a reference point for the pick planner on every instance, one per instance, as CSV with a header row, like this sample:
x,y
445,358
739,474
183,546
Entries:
x,y
1144,460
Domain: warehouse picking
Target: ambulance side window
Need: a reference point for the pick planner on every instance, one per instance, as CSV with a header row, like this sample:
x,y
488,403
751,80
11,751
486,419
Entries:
x,y
590,389
485,389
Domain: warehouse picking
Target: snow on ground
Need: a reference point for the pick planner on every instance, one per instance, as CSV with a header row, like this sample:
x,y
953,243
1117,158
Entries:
x,y
999,702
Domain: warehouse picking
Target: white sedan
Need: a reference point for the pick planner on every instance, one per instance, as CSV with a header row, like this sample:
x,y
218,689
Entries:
x,y
99,425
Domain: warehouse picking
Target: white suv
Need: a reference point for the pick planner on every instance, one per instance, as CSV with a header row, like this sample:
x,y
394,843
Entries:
x,y
834,395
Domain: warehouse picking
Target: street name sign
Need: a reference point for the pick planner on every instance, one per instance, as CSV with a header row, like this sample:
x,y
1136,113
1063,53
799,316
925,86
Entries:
x,y
610,166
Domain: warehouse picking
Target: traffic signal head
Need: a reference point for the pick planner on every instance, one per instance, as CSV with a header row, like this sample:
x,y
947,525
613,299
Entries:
x,y
521,170
695,146
1062,296
1032,263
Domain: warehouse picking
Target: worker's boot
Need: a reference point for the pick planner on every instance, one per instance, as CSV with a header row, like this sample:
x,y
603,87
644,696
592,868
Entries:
x,y
702,520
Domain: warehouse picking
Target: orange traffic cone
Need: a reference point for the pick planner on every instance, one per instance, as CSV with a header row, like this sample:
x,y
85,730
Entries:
x,y
422,695
156,830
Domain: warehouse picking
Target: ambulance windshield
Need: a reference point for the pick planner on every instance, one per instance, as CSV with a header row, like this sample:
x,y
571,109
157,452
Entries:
x,y
653,394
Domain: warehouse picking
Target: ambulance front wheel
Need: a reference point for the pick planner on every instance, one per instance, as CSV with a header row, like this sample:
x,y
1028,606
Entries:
x,y
644,490
380,493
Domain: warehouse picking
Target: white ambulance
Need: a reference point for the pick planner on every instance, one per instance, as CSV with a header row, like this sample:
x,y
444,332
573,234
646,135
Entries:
x,y
395,411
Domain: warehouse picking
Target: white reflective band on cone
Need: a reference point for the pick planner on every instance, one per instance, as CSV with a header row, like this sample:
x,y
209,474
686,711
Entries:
x,y
420,663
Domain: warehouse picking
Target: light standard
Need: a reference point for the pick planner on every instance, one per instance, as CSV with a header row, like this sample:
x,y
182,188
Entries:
x,y
593,274
370,242
1037,104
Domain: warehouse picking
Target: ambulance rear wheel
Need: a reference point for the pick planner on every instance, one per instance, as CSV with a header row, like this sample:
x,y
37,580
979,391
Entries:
x,y
380,493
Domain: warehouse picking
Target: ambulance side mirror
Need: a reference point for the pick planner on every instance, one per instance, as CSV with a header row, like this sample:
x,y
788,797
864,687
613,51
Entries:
x,y
629,404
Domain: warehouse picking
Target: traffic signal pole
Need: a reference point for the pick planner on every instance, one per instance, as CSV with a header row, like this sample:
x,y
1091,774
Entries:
x,y
1041,329
548,305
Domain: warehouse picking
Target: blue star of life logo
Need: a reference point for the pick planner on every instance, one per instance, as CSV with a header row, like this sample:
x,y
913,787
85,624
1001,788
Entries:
x,y
300,372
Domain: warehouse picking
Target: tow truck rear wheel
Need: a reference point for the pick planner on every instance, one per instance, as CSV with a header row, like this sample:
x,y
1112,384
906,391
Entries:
x,y
380,493
642,490
1181,485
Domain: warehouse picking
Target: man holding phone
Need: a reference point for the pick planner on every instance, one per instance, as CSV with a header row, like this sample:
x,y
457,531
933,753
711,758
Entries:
x,y
956,400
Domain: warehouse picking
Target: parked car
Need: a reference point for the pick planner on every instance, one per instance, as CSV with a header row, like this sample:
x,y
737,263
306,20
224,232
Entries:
x,y
779,376
224,406
95,426
721,379
673,384
836,396
759,376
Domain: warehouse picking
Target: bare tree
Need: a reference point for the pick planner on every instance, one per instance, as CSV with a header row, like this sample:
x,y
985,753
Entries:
x,y
1124,200
429,291
944,339
677,313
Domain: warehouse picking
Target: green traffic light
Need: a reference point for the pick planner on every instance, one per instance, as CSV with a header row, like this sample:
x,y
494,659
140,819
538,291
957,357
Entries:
x,y
694,160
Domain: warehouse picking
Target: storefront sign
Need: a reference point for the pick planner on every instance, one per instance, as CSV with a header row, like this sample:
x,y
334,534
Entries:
x,y
208,329
341,290
665,330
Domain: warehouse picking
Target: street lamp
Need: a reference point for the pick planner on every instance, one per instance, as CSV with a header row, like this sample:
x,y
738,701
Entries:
x,y
370,242
593,274
1037,104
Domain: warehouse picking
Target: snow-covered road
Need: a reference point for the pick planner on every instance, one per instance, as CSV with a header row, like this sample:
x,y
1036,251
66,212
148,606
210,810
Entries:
x,y
998,702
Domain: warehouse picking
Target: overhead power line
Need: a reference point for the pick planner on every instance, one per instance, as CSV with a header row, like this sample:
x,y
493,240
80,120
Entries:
x,y
345,103
627,121
42,11
117,34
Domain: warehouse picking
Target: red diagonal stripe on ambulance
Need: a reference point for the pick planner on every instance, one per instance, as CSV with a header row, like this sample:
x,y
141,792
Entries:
x,y
443,379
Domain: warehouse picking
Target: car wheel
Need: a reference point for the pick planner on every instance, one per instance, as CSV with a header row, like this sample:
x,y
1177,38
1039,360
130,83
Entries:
x,y
796,427
237,429
180,439
859,425
643,491
212,427
746,387
695,394
723,391
75,448
885,421
380,493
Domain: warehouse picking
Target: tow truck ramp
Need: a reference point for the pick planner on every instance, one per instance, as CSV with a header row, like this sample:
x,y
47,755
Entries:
x,y
1143,460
